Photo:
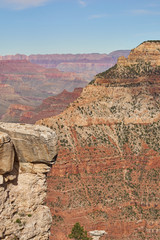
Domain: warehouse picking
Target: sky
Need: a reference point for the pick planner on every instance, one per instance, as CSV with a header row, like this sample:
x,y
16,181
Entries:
x,y
76,26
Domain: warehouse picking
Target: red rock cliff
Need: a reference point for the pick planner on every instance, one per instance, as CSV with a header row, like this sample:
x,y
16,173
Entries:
x,y
107,171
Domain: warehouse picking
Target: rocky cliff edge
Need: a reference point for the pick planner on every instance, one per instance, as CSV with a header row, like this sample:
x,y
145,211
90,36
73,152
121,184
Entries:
x,y
26,154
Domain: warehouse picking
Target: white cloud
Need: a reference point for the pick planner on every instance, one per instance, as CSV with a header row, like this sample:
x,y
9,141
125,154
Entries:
x,y
82,3
21,4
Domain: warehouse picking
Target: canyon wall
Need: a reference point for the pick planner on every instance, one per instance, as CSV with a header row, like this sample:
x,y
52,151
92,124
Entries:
x,y
27,80
50,106
26,155
24,83
107,171
72,62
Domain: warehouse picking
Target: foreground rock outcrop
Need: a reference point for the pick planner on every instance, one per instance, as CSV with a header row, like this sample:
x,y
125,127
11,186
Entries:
x,y
26,155
107,171
6,153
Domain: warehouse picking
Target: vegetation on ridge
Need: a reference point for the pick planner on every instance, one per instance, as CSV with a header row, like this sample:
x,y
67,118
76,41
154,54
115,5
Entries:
x,y
127,72
78,233
150,41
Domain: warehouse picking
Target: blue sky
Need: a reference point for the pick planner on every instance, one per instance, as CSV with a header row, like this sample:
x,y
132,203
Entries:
x,y
76,26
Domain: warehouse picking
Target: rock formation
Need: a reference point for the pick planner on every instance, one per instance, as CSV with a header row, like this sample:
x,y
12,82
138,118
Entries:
x,y
6,153
97,234
24,83
107,171
24,80
71,61
26,154
50,107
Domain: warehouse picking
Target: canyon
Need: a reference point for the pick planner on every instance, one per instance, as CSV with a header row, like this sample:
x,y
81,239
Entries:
x,y
25,81
50,107
96,163
106,175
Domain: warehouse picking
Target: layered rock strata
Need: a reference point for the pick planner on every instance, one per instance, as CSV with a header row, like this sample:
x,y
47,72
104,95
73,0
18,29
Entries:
x,y
26,80
50,107
107,171
26,154
72,62
24,83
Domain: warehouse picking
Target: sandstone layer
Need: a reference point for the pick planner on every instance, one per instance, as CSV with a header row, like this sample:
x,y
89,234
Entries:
x,y
107,171
26,154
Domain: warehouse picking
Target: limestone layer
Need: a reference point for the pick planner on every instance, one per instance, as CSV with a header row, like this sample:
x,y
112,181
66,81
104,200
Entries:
x,y
6,153
26,153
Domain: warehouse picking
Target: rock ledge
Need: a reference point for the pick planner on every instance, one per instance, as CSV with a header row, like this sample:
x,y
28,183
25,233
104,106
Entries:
x,y
26,153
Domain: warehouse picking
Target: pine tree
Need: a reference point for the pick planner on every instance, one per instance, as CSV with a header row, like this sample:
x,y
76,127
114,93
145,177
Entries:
x,y
78,233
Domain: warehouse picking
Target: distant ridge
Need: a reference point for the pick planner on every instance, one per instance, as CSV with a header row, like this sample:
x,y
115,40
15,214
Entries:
x,y
53,60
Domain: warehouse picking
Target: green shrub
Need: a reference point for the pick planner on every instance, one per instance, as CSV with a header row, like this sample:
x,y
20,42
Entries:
x,y
18,221
78,233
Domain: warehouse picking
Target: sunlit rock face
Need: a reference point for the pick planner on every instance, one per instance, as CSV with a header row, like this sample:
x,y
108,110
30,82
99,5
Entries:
x,y
6,153
148,51
107,171
26,154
